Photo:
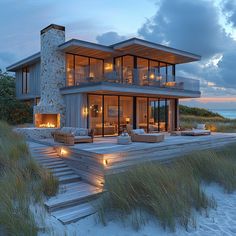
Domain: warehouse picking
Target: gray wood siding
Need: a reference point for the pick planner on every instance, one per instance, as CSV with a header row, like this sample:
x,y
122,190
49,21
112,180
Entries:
x,y
34,82
75,106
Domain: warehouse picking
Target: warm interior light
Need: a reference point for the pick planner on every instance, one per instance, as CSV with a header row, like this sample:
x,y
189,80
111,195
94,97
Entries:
x,y
105,162
63,152
108,67
170,84
91,75
152,76
127,119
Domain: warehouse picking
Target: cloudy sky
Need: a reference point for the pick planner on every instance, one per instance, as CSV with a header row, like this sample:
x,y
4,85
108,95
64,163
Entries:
x,y
204,27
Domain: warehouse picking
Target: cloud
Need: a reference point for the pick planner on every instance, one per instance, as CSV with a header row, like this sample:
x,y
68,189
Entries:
x,y
195,26
109,38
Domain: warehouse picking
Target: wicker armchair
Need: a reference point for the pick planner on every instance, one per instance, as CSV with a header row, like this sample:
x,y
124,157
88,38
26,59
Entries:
x,y
71,135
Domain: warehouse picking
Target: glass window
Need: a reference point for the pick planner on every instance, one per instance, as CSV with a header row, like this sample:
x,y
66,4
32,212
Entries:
x,y
69,70
25,80
153,115
111,115
169,73
142,65
126,113
118,68
128,68
163,115
163,71
142,113
96,69
81,69
95,113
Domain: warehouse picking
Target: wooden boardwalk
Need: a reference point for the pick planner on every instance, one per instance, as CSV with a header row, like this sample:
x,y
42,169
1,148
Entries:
x,y
75,196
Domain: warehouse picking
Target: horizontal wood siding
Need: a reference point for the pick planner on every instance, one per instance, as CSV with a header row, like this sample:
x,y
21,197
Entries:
x,y
34,82
75,105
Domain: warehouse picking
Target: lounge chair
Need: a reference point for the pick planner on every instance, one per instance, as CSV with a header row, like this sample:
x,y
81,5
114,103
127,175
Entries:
x,y
139,135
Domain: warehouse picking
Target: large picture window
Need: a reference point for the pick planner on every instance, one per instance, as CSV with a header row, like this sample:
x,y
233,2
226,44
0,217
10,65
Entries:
x,y
82,69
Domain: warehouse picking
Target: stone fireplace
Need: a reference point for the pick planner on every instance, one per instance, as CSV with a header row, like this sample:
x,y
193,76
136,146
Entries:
x,y
47,120
50,112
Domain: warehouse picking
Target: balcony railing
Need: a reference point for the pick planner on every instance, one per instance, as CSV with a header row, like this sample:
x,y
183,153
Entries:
x,y
140,77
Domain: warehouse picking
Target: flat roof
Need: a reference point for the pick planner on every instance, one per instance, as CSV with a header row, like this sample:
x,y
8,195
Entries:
x,y
133,46
81,47
24,62
155,51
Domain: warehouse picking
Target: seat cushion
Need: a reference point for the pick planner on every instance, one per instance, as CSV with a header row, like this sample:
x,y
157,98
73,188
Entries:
x,y
82,137
201,126
67,130
80,132
138,131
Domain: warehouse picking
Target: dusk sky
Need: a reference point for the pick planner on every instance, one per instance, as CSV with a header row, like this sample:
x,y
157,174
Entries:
x,y
204,27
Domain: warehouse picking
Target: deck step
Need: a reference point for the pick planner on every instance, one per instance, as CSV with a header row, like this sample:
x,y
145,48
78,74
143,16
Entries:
x,y
46,157
74,213
63,173
74,197
71,198
45,162
58,170
68,178
54,164
78,187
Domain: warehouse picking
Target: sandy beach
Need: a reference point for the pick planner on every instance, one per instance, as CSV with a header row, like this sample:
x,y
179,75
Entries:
x,y
217,222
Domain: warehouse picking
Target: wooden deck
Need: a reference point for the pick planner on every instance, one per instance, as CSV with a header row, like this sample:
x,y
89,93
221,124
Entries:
x,y
92,161
82,170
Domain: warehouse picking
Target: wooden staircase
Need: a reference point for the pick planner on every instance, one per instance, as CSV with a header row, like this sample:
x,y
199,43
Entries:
x,y
75,198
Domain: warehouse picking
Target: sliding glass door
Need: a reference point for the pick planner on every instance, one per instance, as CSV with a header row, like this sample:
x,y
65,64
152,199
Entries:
x,y
110,115
142,113
111,112
95,117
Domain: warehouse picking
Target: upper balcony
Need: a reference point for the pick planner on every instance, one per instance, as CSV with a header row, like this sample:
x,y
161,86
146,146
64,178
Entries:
x,y
132,77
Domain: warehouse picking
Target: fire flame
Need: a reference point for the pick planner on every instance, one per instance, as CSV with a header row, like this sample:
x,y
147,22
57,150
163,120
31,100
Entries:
x,y
47,125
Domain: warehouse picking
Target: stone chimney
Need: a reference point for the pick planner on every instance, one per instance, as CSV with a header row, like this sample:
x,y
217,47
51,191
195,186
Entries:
x,y
52,73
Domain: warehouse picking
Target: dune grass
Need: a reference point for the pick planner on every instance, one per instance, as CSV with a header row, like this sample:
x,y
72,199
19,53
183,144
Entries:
x,y
169,193
22,183
215,124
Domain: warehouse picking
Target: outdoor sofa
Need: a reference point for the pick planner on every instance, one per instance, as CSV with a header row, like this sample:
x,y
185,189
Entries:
x,y
200,130
139,135
72,135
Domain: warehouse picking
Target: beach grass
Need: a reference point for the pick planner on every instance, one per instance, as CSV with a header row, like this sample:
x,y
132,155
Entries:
x,y
22,183
168,193
215,124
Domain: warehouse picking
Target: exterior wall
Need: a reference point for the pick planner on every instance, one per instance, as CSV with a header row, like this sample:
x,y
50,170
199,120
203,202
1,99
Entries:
x,y
34,80
76,110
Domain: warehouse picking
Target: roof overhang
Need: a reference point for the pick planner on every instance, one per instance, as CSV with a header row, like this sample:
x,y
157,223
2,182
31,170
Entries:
x,y
25,62
155,51
80,47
